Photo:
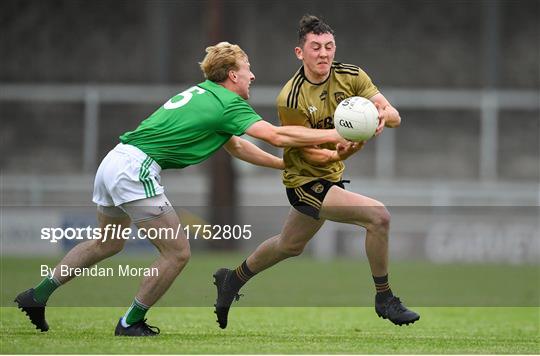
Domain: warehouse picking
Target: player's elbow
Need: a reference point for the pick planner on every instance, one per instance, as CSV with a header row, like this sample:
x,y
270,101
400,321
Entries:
x,y
396,120
275,138
269,133
234,146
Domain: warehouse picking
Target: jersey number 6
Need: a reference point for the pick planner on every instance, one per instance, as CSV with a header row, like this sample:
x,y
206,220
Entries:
x,y
186,97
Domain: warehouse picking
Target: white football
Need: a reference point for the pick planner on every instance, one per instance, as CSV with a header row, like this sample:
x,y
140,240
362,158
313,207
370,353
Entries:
x,y
356,119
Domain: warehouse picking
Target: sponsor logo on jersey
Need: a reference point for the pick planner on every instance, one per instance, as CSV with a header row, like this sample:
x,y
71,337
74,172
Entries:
x,y
326,123
312,109
323,95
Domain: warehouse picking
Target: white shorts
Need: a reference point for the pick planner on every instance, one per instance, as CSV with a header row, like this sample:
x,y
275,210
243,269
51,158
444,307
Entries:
x,y
139,210
126,174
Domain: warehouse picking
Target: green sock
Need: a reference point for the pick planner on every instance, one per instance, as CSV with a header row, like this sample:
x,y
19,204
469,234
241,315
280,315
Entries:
x,y
43,291
135,313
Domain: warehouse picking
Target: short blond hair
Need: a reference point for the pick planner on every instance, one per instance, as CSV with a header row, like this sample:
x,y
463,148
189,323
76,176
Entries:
x,y
220,59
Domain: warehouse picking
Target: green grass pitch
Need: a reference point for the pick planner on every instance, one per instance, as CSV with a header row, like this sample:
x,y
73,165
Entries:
x,y
288,310
281,330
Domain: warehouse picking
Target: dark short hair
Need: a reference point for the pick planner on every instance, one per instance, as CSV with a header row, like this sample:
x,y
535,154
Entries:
x,y
311,24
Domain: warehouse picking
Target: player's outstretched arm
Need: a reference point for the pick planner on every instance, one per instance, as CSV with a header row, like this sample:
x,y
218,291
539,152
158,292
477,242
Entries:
x,y
247,151
322,156
292,136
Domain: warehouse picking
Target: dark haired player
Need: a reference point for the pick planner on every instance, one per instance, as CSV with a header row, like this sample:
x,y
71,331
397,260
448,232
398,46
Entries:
x,y
316,190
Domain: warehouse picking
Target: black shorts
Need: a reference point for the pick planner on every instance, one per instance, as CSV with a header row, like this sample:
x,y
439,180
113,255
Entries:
x,y
308,198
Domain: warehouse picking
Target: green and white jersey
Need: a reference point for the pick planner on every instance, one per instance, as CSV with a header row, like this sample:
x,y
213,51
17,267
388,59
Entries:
x,y
192,125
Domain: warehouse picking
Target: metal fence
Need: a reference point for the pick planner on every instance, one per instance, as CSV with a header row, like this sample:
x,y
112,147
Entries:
x,y
487,102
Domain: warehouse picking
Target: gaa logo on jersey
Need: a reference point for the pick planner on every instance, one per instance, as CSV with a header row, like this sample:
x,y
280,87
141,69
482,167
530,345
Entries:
x,y
317,188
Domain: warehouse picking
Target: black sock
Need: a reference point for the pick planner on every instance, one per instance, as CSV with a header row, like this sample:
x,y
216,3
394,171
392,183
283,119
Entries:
x,y
240,276
383,288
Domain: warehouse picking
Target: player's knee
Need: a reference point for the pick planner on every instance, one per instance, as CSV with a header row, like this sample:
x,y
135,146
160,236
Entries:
x,y
381,219
185,255
180,258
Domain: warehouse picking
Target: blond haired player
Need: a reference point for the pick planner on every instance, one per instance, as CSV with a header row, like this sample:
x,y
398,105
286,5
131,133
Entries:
x,y
316,190
184,131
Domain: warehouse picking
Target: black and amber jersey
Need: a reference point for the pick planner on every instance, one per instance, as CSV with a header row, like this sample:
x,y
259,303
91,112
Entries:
x,y
301,102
